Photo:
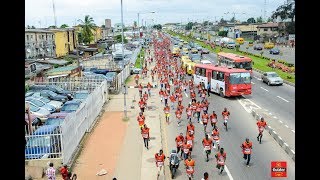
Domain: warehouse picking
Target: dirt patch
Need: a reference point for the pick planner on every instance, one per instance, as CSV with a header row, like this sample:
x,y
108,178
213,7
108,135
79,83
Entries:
x,y
101,149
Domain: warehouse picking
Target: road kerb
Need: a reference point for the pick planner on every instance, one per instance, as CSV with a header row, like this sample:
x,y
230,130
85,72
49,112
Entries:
x,y
275,135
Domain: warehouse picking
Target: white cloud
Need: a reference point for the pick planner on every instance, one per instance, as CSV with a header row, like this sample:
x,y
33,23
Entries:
x,y
68,11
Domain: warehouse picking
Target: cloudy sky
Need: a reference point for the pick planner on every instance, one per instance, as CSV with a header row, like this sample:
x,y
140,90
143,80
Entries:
x,y
39,13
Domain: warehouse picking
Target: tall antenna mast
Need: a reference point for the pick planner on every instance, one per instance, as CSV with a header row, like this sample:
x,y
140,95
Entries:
x,y
54,14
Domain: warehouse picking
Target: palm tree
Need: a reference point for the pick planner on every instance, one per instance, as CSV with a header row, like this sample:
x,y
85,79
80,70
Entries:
x,y
87,26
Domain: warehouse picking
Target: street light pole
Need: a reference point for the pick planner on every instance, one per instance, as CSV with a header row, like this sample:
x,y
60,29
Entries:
x,y
124,86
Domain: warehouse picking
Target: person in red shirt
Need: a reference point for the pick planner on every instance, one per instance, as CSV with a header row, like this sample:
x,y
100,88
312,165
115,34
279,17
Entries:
x,y
160,158
205,119
261,126
142,104
141,119
213,119
136,78
189,163
190,128
207,145
173,100
190,139
64,172
216,136
178,116
145,135
225,114
149,88
179,142
145,96
247,150
186,149
221,159
140,90
161,94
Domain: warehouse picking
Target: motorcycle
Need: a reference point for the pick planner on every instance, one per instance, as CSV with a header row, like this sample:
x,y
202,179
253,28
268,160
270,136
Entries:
x,y
174,163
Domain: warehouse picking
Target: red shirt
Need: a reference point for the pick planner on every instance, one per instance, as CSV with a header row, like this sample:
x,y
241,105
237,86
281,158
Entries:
x,y
64,173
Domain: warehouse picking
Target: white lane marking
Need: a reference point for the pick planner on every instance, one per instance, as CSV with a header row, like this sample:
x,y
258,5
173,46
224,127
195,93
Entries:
x,y
280,121
286,126
293,151
283,99
270,113
228,173
280,137
286,144
275,117
252,83
245,108
269,127
293,131
186,94
254,103
264,89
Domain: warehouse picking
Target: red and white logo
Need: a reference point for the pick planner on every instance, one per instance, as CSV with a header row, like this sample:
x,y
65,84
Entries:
x,y
278,169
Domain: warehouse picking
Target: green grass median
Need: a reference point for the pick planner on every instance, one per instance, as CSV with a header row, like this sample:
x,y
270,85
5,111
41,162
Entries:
x,y
139,62
259,62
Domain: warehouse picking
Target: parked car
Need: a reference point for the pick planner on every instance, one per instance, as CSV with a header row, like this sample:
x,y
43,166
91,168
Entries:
x,y
56,104
205,51
274,51
268,45
271,78
41,113
194,51
199,48
81,95
71,106
52,88
51,95
56,118
257,47
43,143
40,104
136,70
195,57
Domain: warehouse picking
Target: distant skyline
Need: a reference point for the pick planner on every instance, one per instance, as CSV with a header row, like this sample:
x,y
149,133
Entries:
x,y
39,13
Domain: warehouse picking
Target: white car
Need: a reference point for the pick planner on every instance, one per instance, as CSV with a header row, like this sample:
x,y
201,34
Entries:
x,y
41,113
205,62
271,78
56,104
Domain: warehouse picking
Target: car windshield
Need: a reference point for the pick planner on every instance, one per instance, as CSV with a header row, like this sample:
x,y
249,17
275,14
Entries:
x,y
54,121
195,56
33,108
37,102
240,78
70,107
81,95
45,100
243,65
273,75
58,88
41,141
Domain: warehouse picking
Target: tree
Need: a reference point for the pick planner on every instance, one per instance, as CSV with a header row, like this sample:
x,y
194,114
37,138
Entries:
x,y
87,27
251,20
118,39
286,11
222,21
157,26
232,20
189,26
64,26
205,23
259,19
32,27
52,27
103,26
223,33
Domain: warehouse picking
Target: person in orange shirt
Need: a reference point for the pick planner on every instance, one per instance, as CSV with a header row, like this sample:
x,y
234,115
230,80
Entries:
x,y
145,135
180,107
189,163
190,140
198,110
189,112
216,136
166,110
213,119
64,172
145,96
261,126
173,100
247,150
149,88
140,90
136,78
165,96
225,114
142,104
207,145
141,119
179,142
190,128
186,149
178,116
221,160
159,157
205,118
161,94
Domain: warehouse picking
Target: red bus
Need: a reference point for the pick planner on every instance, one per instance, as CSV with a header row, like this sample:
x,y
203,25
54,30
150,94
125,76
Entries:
x,y
234,61
225,81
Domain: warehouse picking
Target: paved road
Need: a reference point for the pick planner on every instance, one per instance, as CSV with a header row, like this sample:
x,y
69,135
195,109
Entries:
x,y
242,125
275,103
288,54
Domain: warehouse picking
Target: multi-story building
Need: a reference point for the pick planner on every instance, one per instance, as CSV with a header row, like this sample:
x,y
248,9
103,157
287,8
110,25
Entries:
x,y
39,43
66,41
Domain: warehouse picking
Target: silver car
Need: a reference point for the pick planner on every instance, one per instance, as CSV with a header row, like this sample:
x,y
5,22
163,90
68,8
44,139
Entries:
x,y
271,78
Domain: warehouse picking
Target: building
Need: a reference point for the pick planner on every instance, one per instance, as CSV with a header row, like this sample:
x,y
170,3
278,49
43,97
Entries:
x,y
66,71
117,27
39,43
247,30
97,34
268,29
107,30
66,41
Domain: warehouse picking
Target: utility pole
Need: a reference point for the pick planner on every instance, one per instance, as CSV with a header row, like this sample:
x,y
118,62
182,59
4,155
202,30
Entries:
x,y
54,14
123,84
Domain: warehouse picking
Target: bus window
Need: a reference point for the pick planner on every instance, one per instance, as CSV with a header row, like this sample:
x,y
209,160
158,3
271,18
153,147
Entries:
x,y
202,72
220,76
214,75
197,71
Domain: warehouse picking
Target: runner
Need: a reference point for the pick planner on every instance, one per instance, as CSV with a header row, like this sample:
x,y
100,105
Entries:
x,y
142,104
178,116
145,135
190,128
173,100
221,160
136,78
161,94
149,88
213,119
179,142
141,120
186,149
205,118
247,150
216,137
166,110
225,114
190,140
159,157
207,145
189,112
140,90
261,126
189,163
145,96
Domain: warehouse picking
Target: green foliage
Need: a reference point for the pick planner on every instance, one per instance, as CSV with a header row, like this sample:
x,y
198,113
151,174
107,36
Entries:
x,y
139,60
251,20
103,26
286,11
64,26
157,26
189,26
223,33
118,39
259,19
87,27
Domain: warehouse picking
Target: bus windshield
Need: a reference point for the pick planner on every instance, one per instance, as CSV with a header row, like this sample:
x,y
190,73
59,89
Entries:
x,y
240,78
243,65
